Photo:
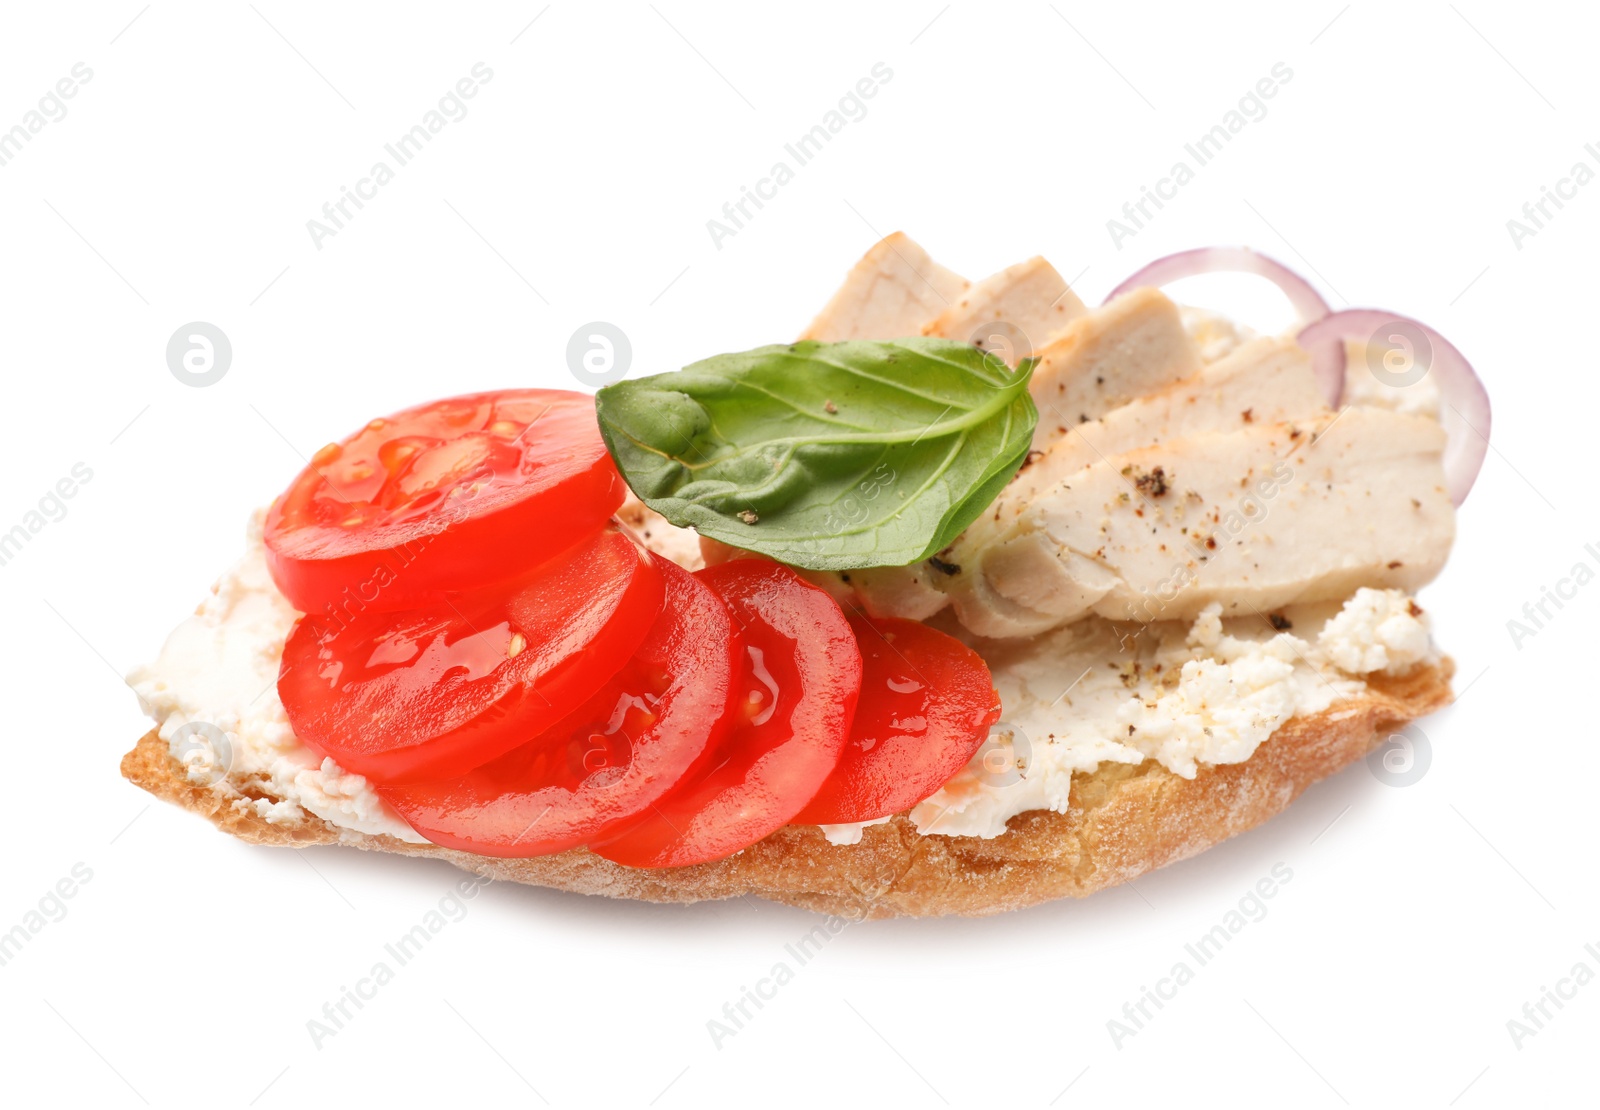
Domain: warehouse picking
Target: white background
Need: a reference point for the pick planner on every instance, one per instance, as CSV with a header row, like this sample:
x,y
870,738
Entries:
x,y
177,188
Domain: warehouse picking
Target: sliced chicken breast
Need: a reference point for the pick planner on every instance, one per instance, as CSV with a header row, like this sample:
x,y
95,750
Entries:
x,y
1133,346
681,545
894,291
1013,313
1270,375
1255,518
1266,380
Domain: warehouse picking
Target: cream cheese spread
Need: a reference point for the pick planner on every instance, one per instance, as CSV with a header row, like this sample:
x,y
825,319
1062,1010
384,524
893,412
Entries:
x,y
219,668
1096,692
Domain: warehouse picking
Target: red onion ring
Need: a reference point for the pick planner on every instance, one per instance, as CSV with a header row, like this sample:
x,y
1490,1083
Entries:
x,y
1464,408
1308,303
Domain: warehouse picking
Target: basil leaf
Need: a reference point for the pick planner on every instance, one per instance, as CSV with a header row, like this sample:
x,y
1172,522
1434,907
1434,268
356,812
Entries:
x,y
828,456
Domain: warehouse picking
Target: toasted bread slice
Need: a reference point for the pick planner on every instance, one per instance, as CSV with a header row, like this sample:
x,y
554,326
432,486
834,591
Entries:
x,y
1124,821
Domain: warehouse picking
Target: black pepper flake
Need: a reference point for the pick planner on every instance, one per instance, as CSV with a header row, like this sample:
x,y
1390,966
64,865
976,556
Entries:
x,y
1153,483
1280,622
943,567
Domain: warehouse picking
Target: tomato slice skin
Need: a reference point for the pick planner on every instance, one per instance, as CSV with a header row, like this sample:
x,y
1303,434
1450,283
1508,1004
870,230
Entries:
x,y
927,701
800,679
443,688
441,498
650,725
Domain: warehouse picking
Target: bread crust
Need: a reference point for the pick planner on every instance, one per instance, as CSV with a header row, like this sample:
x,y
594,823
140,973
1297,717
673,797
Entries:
x,y
1123,821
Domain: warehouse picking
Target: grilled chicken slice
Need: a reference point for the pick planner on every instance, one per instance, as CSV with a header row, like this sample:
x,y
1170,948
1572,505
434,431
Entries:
x,y
1013,313
1133,346
680,545
894,291
1255,518
1266,380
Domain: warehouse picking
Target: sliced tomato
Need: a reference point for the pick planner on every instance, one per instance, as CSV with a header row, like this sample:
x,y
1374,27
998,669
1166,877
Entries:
x,y
801,676
445,497
927,701
606,762
443,688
